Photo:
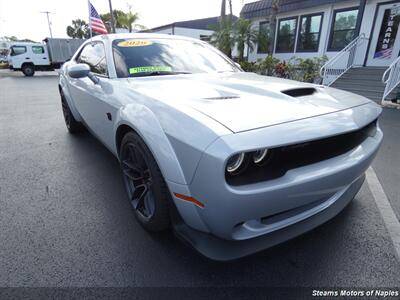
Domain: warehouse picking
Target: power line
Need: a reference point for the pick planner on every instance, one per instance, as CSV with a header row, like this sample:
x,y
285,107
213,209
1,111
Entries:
x,y
48,21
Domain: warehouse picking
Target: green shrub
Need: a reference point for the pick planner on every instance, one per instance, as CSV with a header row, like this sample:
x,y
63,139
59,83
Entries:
x,y
308,69
249,66
267,65
296,68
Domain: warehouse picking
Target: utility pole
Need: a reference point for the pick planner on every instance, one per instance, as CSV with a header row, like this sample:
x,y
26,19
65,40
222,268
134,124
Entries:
x,y
111,17
48,21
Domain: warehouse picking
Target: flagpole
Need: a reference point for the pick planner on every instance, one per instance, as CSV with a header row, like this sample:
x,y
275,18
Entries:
x,y
90,20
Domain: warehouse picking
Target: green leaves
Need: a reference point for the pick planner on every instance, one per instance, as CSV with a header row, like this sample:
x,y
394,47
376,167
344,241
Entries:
x,y
78,30
306,70
244,35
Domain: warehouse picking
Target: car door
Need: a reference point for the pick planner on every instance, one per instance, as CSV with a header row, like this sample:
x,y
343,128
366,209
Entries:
x,y
92,100
40,56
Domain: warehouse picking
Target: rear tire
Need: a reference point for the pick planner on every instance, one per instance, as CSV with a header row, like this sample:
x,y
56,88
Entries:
x,y
28,70
144,183
73,125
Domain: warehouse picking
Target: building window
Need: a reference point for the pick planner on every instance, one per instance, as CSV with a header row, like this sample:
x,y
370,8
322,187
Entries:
x,y
343,29
263,38
286,35
309,33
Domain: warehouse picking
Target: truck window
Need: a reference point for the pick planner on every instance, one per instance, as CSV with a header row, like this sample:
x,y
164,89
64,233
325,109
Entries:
x,y
17,50
37,49
94,55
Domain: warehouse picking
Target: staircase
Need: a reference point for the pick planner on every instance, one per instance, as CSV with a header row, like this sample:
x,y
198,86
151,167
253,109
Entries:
x,y
365,81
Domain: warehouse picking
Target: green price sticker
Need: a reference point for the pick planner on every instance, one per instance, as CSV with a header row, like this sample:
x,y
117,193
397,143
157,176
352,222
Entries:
x,y
150,69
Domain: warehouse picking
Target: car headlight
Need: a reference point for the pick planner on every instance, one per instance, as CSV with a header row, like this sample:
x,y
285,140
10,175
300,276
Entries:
x,y
235,163
238,163
259,156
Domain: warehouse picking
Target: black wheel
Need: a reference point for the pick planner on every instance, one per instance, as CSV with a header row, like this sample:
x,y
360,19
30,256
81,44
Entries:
x,y
73,125
144,183
28,70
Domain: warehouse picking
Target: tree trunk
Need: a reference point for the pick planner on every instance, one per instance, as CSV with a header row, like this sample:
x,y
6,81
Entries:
x,y
223,10
272,26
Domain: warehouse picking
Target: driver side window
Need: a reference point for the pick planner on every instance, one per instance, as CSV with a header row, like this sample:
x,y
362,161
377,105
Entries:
x,y
94,55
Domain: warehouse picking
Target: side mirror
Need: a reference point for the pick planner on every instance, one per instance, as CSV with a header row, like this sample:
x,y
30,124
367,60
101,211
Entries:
x,y
79,71
82,71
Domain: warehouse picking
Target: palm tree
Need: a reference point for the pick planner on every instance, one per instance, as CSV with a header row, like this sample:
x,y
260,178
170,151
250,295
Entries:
x,y
126,20
272,24
78,30
223,37
106,18
245,36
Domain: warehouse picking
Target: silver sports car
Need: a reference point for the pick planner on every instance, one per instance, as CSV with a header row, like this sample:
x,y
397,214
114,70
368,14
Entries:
x,y
235,162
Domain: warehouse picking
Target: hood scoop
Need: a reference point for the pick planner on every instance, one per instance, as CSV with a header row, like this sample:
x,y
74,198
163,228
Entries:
x,y
221,98
300,92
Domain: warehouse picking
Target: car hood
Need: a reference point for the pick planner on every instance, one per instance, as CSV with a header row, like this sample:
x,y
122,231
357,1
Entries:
x,y
245,101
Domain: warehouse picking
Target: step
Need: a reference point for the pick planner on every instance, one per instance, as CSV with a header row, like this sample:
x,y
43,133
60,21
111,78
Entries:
x,y
369,70
367,74
362,76
352,84
363,81
349,85
366,70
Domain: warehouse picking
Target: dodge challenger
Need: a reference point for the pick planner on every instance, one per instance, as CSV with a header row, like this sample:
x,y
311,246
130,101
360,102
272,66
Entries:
x,y
234,162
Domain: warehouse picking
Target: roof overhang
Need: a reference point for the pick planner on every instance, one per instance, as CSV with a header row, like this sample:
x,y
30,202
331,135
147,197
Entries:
x,y
263,8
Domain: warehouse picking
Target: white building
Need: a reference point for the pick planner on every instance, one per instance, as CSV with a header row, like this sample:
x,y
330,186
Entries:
x,y
310,28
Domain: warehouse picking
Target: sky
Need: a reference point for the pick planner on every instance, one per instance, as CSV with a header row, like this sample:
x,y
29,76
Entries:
x,y
23,18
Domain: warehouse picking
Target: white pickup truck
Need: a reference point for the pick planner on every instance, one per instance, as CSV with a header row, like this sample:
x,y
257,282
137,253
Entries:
x,y
46,56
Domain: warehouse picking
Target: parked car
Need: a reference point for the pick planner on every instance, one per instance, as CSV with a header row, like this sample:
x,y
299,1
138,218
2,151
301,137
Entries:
x,y
3,59
31,57
235,162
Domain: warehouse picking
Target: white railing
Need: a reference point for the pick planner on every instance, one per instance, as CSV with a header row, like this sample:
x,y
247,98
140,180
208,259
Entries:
x,y
392,80
343,61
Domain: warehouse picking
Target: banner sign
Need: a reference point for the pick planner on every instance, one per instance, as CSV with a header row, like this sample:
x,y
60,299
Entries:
x,y
387,35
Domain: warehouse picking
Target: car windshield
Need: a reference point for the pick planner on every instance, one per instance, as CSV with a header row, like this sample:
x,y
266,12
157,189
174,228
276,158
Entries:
x,y
153,57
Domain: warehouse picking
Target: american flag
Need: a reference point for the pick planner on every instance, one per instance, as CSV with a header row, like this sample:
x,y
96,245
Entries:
x,y
95,22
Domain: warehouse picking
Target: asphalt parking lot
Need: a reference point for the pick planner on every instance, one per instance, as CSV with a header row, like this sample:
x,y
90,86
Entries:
x,y
65,220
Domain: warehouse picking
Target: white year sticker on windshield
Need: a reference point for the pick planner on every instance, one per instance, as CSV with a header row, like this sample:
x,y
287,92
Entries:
x,y
150,69
135,43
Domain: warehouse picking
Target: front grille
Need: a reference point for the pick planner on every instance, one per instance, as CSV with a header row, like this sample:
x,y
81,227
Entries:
x,y
283,159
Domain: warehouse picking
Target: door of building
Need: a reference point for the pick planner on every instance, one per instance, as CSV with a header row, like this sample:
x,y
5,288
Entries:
x,y
385,39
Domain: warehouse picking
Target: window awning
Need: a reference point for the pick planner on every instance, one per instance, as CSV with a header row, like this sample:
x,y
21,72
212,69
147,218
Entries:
x,y
263,8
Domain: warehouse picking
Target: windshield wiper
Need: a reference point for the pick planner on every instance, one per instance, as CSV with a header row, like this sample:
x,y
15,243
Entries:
x,y
161,73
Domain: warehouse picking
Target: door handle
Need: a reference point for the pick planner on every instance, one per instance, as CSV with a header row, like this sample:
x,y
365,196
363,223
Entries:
x,y
27,58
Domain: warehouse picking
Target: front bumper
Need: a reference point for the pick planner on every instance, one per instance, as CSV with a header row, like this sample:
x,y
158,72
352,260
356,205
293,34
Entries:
x,y
223,250
255,216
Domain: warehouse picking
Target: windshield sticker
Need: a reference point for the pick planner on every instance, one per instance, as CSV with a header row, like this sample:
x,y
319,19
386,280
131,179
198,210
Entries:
x,y
150,69
135,43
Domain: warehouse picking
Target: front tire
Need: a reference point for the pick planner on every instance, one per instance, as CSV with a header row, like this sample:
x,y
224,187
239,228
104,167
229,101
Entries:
x,y
144,183
28,70
73,125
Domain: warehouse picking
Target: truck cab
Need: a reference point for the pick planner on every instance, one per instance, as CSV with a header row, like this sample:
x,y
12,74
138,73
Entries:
x,y
29,57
